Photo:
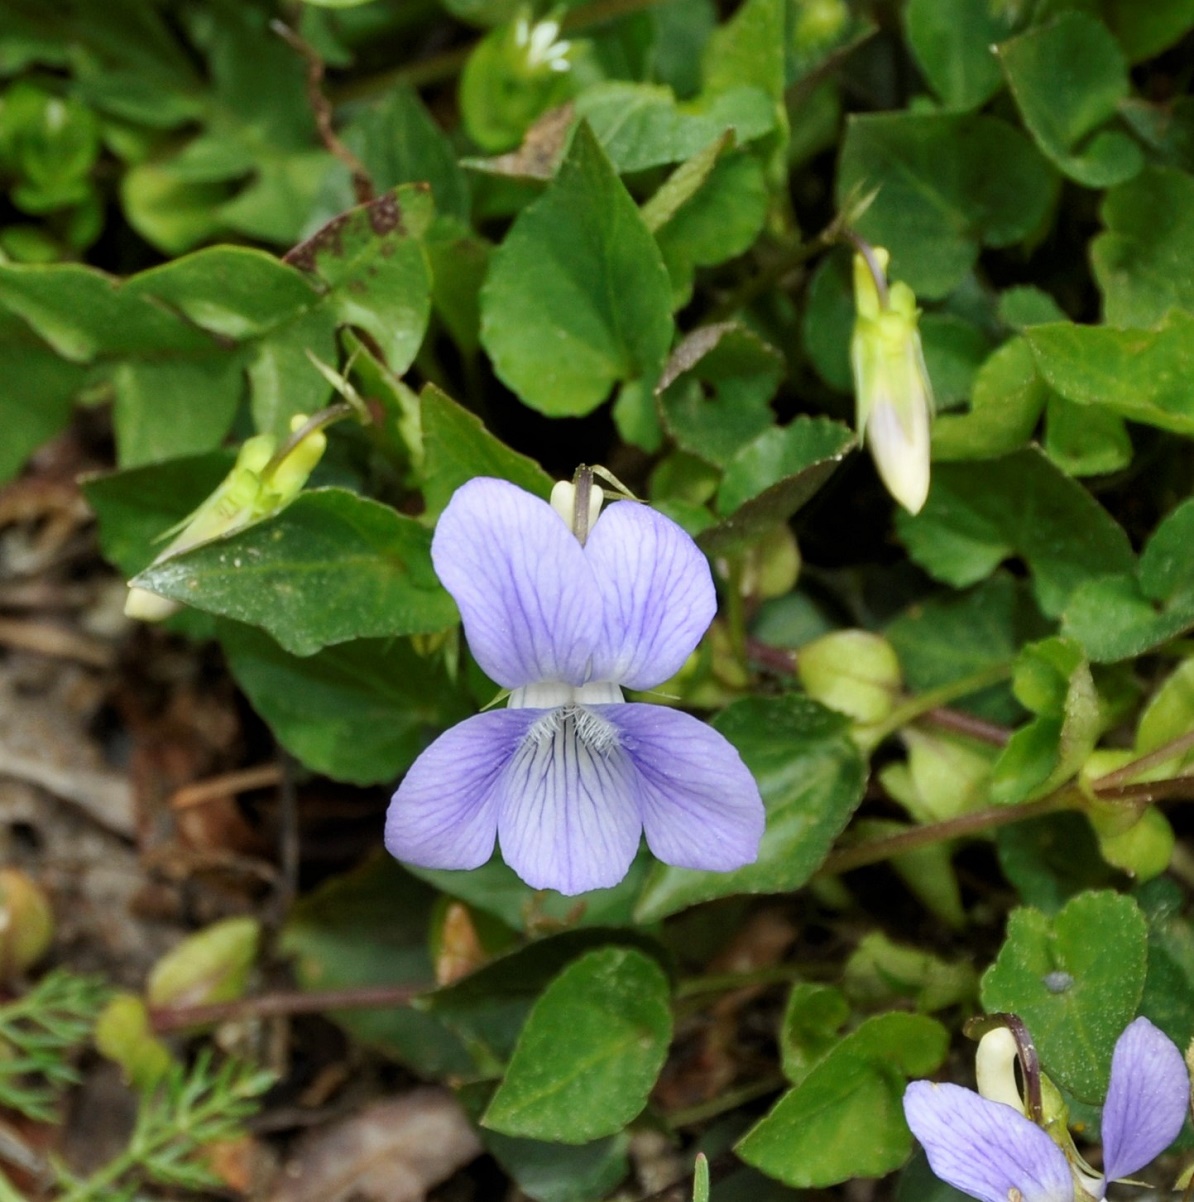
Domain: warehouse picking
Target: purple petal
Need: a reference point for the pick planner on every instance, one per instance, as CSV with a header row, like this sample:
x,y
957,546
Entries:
x,y
568,816
526,593
700,805
657,593
1147,1101
444,814
986,1149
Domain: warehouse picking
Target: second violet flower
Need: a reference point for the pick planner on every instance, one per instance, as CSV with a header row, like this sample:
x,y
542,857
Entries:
x,y
569,775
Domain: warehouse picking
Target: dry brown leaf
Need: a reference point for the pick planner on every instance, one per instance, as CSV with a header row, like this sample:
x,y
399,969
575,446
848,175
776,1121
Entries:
x,y
394,1150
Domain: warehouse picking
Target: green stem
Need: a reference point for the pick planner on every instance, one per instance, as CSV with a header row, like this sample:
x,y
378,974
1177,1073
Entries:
x,y
1160,755
875,850
726,982
931,699
730,1100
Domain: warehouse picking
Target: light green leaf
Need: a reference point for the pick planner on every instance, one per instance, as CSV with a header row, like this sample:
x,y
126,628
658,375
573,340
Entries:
x,y
811,776
1084,441
329,568
1006,401
1053,680
1142,263
1140,374
844,1119
1122,614
1076,981
577,298
590,1051
1068,77
1021,506
938,200
359,712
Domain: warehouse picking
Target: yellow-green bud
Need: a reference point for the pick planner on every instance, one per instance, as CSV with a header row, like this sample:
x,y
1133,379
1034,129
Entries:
x,y
212,965
852,671
26,923
257,486
893,396
1144,849
124,1035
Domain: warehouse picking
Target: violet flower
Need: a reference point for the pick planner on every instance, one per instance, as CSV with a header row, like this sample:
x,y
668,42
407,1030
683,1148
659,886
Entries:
x,y
569,775
992,1151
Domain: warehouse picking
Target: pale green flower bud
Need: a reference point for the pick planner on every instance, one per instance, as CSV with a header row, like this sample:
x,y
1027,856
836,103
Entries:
x,y
893,394
258,485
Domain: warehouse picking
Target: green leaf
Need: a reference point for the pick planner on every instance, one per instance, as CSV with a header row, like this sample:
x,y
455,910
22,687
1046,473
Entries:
x,y
828,322
771,477
952,635
1076,981
550,1172
136,506
457,447
1006,401
1051,859
590,1051
1169,988
577,298
1083,441
1140,262
358,712
722,219
372,269
1144,30
716,390
1068,77
954,349
979,514
1138,374
329,568
811,776
399,143
369,928
39,390
640,125
812,1017
1124,614
1053,680
953,47
938,200
845,1118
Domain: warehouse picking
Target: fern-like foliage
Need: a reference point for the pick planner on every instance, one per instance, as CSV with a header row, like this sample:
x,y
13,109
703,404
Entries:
x,y
38,1034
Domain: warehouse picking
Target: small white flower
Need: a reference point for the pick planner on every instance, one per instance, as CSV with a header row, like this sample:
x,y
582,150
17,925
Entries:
x,y
539,41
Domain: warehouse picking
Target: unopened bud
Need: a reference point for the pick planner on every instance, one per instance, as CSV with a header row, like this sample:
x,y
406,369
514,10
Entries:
x,y
26,923
124,1035
893,395
212,965
995,1068
852,671
1142,851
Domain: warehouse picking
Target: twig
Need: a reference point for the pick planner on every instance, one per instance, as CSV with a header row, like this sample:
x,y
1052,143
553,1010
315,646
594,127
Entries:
x,y
272,1005
42,638
1164,753
962,723
730,1100
321,108
226,785
875,850
103,796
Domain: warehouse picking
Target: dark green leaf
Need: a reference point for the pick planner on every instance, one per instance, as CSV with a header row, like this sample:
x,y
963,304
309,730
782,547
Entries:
x,y
359,712
1068,77
948,184
979,514
953,46
329,568
590,1051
